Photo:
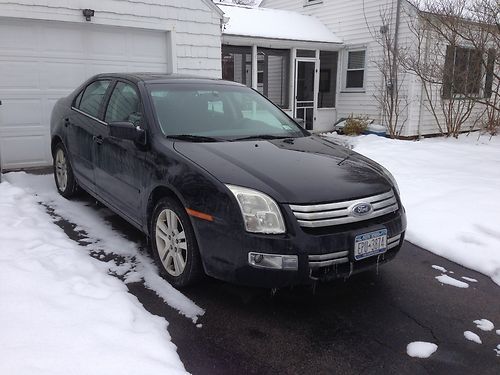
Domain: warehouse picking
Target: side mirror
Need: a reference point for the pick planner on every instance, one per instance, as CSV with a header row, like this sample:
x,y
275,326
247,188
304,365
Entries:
x,y
127,130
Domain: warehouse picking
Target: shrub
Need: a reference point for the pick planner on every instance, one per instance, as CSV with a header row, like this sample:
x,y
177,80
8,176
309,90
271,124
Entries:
x,y
355,125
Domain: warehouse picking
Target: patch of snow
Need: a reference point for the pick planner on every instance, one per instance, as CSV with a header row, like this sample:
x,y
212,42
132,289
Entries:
x,y
275,24
484,324
439,268
497,350
104,238
421,349
469,279
471,336
436,177
445,279
62,313
199,325
498,332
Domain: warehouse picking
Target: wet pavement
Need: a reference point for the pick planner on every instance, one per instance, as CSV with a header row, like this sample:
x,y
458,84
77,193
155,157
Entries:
x,y
358,326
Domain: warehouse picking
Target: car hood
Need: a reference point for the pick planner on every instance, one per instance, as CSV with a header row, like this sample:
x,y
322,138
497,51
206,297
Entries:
x,y
296,170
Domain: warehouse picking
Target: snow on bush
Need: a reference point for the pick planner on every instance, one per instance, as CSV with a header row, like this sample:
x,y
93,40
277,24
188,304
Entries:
x,y
61,311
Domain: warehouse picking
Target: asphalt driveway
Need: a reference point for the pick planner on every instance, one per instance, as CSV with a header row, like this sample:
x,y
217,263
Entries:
x,y
358,326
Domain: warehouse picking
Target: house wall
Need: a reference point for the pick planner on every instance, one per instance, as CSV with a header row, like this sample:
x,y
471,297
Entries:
x,y
47,49
354,22
195,24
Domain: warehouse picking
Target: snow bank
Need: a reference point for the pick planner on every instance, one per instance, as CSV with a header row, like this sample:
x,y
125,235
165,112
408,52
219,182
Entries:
x,y
450,190
421,349
137,266
471,336
61,311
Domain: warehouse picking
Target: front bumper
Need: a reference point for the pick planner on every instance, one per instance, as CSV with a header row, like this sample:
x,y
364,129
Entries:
x,y
323,254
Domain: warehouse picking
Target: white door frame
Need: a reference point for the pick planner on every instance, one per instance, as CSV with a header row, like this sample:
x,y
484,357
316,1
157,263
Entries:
x,y
315,87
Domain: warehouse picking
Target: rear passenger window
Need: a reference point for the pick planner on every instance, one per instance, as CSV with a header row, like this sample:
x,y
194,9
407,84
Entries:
x,y
92,98
124,104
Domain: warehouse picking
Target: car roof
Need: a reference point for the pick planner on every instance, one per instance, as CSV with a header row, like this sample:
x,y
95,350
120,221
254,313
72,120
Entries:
x,y
166,78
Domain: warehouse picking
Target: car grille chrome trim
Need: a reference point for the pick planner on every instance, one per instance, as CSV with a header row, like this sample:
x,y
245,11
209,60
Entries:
x,y
325,260
393,241
324,215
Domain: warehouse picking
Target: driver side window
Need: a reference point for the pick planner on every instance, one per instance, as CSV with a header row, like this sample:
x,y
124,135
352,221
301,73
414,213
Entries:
x,y
124,104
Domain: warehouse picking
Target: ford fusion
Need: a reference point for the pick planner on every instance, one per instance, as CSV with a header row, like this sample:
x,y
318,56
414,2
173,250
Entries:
x,y
223,182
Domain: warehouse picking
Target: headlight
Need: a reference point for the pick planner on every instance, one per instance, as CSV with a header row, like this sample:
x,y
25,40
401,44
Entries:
x,y
391,177
260,212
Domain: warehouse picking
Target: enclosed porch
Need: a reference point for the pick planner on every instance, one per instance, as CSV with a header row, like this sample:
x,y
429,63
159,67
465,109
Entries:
x,y
290,58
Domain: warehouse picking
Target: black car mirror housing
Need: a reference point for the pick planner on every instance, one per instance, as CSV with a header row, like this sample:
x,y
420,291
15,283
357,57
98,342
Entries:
x,y
127,130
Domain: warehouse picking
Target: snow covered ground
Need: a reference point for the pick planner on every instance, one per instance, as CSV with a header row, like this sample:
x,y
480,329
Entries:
x,y
451,192
62,311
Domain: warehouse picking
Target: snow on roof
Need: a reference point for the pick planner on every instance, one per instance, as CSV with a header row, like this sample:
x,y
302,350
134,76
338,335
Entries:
x,y
275,24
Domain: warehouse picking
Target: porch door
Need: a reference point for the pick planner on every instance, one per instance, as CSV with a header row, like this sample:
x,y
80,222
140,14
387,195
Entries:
x,y
306,88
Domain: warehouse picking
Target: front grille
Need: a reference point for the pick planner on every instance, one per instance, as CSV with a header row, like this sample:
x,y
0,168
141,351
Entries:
x,y
330,259
328,214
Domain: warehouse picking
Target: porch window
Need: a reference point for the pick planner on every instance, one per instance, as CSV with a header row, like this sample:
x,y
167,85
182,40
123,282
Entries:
x,y
327,79
355,78
273,75
463,72
237,64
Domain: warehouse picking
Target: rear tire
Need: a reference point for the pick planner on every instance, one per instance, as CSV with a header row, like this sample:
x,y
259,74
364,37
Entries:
x,y
174,244
63,173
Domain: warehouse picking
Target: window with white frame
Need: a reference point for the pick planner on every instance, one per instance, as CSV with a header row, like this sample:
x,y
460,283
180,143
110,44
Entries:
x,y
355,72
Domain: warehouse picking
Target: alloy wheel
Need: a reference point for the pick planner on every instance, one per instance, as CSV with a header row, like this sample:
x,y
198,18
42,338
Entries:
x,y
61,170
171,242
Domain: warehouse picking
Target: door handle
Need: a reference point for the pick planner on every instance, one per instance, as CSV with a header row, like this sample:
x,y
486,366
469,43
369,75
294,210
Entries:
x,y
98,139
67,122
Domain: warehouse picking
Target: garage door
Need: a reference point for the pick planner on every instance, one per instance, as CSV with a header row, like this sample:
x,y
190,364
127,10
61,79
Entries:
x,y
41,61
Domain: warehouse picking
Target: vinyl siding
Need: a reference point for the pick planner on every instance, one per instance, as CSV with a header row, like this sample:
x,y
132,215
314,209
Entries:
x,y
195,24
349,20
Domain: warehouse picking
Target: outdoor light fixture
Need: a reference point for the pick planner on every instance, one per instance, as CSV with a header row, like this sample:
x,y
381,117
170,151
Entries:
x,y
88,14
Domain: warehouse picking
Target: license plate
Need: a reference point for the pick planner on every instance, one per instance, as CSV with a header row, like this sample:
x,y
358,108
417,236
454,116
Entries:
x,y
370,244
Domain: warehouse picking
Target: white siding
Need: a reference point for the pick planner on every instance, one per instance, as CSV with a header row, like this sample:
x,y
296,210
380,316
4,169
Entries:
x,y
47,49
196,24
349,20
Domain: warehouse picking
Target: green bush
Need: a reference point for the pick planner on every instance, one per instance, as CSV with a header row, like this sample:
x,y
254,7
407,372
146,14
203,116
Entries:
x,y
355,125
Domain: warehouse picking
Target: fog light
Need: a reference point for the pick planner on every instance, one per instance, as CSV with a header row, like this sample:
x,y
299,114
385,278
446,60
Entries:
x,y
273,261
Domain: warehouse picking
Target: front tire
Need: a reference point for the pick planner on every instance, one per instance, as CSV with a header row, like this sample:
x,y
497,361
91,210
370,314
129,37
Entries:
x,y
63,173
174,244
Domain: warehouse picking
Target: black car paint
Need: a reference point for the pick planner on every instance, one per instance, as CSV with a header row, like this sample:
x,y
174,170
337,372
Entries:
x,y
129,177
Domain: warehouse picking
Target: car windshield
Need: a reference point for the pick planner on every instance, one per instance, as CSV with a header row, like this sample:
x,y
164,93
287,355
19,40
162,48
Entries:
x,y
214,112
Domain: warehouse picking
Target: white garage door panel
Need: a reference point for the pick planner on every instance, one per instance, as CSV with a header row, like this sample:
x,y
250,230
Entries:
x,y
71,75
17,112
41,61
18,75
23,150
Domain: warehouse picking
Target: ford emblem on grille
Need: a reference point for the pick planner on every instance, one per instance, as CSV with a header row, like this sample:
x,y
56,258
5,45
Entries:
x,y
361,209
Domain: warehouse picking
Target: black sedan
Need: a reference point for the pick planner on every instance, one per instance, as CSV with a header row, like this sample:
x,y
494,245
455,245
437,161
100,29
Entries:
x,y
223,182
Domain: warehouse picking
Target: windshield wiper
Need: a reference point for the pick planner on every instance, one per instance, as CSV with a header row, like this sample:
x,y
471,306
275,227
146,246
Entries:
x,y
194,138
262,136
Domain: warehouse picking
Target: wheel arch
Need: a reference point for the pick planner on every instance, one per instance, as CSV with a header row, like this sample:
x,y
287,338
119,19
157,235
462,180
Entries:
x,y
56,139
156,194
